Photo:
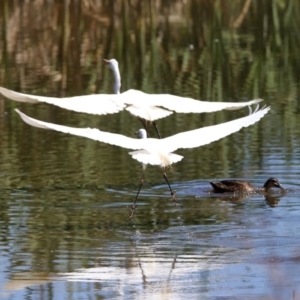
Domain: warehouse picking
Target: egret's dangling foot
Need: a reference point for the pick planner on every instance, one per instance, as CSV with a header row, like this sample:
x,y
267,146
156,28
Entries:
x,y
172,192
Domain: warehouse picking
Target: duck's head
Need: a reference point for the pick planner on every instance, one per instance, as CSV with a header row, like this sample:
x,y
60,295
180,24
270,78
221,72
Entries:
x,y
273,182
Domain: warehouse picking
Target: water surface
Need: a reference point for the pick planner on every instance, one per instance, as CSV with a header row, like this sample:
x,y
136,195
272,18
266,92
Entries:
x,y
65,200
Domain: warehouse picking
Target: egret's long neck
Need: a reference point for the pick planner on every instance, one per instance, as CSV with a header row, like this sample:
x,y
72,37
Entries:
x,y
142,134
144,137
117,84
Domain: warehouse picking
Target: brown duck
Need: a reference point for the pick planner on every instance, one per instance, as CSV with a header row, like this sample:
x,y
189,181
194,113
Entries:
x,y
243,186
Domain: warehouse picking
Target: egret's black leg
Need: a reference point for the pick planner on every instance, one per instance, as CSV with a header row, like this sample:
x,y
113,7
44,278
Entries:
x,y
145,126
136,197
172,192
156,128
144,122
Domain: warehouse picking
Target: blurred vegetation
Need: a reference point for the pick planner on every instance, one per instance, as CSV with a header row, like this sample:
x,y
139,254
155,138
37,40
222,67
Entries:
x,y
212,50
204,49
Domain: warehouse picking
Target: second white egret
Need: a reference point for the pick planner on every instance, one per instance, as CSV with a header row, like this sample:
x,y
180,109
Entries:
x,y
147,107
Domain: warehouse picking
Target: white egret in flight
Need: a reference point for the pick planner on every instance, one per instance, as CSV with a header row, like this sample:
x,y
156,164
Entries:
x,y
148,107
156,151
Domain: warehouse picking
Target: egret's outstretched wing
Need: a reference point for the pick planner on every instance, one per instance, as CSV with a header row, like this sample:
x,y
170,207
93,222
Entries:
x,y
91,133
180,104
98,104
206,135
188,139
142,105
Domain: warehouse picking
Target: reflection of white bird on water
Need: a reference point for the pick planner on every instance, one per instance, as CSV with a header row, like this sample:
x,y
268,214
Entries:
x,y
147,107
156,151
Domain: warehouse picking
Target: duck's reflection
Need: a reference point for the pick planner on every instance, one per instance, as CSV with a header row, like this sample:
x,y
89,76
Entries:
x,y
271,198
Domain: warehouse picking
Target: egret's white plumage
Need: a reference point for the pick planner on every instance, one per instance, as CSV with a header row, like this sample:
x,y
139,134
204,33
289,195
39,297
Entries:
x,y
150,107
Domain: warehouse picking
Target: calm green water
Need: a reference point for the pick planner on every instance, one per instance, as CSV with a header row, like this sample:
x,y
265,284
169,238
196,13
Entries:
x,y
64,229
